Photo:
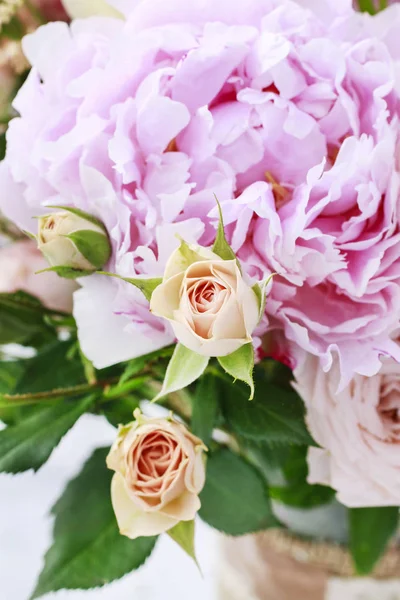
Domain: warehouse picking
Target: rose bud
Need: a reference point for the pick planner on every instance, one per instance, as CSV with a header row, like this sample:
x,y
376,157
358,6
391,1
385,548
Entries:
x,y
159,473
211,309
73,242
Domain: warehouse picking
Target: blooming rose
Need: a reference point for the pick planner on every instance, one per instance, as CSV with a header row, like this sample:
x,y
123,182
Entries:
x,y
19,263
211,309
69,240
358,430
287,111
159,473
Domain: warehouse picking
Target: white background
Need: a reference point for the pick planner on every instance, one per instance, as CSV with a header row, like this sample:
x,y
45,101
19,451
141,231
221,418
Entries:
x,y
26,528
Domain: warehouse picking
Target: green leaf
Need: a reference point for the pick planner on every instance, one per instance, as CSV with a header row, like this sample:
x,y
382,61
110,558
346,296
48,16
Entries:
x,y
146,286
234,499
21,317
88,550
138,364
240,365
276,415
183,534
370,531
221,246
50,369
28,444
184,367
293,489
205,408
93,245
10,372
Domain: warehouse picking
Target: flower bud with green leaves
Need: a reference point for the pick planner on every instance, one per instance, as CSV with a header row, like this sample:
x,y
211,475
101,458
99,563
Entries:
x,y
73,242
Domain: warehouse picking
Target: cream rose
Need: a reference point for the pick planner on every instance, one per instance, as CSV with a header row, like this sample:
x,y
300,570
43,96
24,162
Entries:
x,y
159,473
211,309
358,430
19,263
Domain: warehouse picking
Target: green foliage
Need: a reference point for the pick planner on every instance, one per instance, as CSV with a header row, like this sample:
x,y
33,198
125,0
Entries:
x,y
183,535
296,491
51,369
183,369
28,444
88,550
22,318
235,498
240,365
205,407
139,363
275,416
370,531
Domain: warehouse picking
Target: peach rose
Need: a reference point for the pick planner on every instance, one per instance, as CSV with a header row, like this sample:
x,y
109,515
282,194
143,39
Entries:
x,y
358,430
18,264
159,473
211,309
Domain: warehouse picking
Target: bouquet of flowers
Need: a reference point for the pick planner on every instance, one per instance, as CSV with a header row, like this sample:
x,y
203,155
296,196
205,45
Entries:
x,y
212,192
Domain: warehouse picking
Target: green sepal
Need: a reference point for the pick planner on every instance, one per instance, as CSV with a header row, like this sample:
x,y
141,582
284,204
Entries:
x,y
146,286
183,535
240,365
259,290
93,245
80,213
221,246
67,272
183,369
30,235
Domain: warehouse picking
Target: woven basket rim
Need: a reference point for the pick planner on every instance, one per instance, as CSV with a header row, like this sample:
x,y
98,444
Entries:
x,y
328,556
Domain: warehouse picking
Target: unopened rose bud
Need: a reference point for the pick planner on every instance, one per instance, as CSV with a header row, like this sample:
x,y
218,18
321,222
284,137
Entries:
x,y
73,242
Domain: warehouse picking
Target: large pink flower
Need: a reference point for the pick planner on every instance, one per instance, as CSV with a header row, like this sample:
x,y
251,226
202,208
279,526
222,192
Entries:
x,y
358,431
263,103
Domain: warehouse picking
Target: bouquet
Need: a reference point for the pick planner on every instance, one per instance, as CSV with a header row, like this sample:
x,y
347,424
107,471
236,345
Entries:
x,y
202,206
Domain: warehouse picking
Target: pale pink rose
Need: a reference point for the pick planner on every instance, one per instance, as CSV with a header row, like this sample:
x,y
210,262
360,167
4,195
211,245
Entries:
x,y
358,430
210,307
159,473
18,264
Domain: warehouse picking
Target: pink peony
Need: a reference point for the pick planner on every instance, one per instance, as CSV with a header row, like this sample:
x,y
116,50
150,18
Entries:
x,y
358,429
286,111
18,265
